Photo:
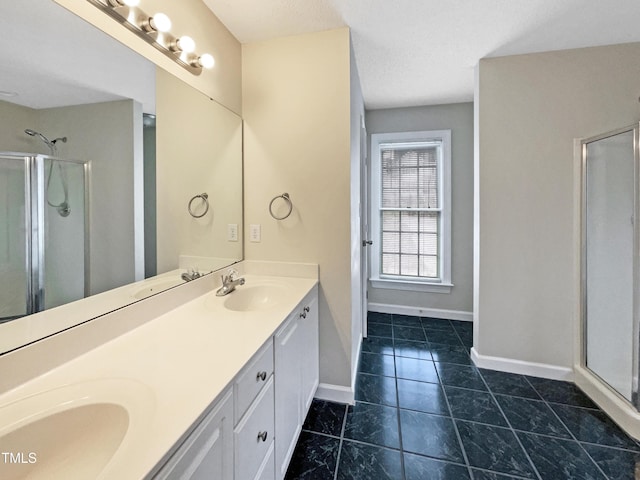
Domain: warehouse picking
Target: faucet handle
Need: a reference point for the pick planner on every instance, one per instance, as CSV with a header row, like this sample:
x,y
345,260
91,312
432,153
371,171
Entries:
x,y
232,274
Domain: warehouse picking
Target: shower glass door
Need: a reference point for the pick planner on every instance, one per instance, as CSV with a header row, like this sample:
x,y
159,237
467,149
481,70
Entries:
x,y
44,241
65,242
13,237
609,258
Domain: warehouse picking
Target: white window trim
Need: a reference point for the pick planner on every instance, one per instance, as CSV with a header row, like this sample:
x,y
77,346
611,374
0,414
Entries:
x,y
442,285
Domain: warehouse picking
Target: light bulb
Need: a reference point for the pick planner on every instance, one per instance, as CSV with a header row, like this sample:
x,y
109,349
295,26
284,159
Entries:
x,y
186,44
207,61
160,22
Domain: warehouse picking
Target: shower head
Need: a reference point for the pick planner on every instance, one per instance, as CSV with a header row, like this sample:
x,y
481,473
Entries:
x,y
50,143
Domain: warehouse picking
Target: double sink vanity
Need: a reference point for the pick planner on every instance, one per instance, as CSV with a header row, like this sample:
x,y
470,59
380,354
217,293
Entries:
x,y
185,384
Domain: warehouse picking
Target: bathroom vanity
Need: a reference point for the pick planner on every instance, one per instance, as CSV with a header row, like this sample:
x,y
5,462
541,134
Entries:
x,y
217,387
252,431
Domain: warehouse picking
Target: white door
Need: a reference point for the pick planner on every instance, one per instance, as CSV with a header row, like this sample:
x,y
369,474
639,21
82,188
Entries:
x,y
364,224
609,257
310,353
287,392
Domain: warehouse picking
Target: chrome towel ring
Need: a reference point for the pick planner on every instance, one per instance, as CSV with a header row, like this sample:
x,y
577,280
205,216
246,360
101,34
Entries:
x,y
205,202
287,199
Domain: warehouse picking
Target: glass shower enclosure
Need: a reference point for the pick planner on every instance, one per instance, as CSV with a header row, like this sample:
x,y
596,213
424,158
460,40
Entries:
x,y
610,266
44,242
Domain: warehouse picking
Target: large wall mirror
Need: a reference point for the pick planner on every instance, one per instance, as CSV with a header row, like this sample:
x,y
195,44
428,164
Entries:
x,y
116,178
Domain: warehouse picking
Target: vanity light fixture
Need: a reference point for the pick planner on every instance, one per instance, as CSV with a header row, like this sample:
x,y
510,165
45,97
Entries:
x,y
155,30
123,3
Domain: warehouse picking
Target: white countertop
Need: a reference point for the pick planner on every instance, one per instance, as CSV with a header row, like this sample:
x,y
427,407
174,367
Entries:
x,y
179,362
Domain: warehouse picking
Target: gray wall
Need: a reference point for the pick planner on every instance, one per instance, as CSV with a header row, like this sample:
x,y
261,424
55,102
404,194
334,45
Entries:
x,y
459,119
104,134
531,108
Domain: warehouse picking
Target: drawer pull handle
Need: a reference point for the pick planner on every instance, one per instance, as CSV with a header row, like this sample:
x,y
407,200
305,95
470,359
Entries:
x,y
262,436
261,376
303,315
306,309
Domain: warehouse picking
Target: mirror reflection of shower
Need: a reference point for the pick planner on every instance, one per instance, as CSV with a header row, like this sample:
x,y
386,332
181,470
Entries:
x,y
62,208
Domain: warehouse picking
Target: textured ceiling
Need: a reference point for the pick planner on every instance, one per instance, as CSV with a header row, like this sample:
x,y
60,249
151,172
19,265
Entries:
x,y
423,52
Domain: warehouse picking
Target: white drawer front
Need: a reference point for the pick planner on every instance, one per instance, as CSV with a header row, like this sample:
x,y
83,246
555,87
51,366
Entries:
x,y
254,377
206,453
254,435
268,470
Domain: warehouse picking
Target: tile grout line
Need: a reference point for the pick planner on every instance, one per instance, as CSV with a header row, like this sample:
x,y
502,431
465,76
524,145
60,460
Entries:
x,y
510,427
395,380
493,396
344,423
513,431
567,428
455,427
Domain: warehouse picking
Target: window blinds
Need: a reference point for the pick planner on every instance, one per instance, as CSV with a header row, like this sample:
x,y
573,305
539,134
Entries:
x,y
410,209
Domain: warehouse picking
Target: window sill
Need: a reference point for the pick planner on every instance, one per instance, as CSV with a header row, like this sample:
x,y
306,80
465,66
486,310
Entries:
x,y
411,286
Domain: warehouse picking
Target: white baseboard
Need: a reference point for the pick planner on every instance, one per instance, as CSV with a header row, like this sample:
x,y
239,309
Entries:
x,y
533,369
335,393
617,407
421,311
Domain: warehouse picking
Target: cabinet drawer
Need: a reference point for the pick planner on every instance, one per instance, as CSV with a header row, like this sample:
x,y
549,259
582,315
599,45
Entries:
x,y
268,469
206,453
254,435
254,377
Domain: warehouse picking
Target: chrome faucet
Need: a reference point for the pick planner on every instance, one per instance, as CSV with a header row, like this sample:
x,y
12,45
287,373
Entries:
x,y
229,282
190,275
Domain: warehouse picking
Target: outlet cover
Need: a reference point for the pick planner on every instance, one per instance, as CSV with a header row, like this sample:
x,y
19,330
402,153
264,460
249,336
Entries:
x,y
254,233
232,232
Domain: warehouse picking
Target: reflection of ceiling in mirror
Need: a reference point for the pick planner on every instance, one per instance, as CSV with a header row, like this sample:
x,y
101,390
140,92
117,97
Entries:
x,y
44,44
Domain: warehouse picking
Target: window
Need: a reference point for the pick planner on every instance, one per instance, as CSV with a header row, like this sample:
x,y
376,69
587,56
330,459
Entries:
x,y
411,211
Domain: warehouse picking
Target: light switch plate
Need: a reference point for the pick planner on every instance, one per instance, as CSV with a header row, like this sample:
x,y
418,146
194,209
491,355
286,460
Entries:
x,y
254,233
232,232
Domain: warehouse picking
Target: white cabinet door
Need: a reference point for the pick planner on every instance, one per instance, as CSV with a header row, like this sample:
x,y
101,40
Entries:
x,y
254,435
309,362
287,391
208,452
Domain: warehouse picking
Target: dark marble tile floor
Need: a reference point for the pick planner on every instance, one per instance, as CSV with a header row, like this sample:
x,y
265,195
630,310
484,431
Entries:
x,y
423,411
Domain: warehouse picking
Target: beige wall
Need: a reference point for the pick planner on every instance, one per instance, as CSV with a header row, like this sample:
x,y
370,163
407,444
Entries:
x,y
459,119
205,157
531,108
296,108
189,17
14,120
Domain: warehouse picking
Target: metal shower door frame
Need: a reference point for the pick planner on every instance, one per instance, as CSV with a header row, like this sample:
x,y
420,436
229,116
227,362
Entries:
x,y
34,178
635,128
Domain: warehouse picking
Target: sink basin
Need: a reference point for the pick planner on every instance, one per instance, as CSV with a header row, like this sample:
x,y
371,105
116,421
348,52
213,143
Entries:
x,y
156,285
77,431
255,297
91,433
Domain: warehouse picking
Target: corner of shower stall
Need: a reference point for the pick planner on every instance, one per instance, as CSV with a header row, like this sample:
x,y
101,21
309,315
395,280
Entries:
x,y
44,233
607,366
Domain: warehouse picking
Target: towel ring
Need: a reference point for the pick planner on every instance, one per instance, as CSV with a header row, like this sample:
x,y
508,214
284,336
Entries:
x,y
286,198
205,201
